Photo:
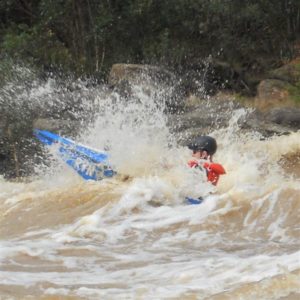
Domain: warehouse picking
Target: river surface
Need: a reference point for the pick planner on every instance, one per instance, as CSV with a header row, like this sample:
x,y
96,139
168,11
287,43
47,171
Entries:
x,y
134,237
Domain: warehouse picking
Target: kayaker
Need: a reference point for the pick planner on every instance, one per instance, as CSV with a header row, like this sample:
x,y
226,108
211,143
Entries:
x,y
204,147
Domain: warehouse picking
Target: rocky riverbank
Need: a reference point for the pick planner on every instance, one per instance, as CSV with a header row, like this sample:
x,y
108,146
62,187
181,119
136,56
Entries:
x,y
69,105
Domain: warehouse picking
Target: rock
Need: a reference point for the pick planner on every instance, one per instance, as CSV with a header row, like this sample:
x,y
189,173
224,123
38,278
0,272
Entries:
x,y
192,101
289,72
273,93
3,126
256,121
201,117
204,116
154,82
57,105
281,89
285,116
137,74
67,127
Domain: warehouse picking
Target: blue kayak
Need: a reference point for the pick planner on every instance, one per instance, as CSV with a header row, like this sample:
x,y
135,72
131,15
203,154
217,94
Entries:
x,y
90,164
193,201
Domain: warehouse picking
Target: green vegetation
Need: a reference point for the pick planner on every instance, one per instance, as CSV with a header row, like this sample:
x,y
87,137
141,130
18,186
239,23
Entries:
x,y
294,91
88,36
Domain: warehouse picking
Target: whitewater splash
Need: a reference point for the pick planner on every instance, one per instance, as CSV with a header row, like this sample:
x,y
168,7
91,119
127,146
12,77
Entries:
x,y
133,237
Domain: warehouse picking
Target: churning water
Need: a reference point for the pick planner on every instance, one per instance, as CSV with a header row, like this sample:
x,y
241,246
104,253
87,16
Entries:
x,y
133,237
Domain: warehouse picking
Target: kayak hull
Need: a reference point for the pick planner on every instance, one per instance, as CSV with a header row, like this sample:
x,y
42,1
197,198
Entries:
x,y
193,201
90,164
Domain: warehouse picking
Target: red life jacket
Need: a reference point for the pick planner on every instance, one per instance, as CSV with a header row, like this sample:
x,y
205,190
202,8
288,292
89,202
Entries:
x,y
213,170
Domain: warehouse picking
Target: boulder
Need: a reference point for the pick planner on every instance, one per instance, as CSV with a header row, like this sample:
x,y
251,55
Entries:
x,y
257,121
67,127
286,116
273,93
136,74
281,88
201,117
289,72
154,81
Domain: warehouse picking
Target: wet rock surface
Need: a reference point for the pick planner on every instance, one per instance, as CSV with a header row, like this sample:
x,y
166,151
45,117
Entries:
x,y
46,104
207,115
280,88
213,114
286,116
288,73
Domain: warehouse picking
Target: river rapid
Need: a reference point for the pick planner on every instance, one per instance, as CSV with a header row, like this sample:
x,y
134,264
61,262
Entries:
x,y
134,237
